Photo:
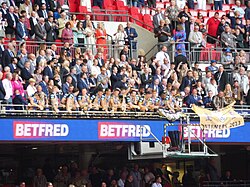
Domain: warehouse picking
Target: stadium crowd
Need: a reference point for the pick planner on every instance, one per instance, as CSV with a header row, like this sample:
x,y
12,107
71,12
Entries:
x,y
151,175
89,79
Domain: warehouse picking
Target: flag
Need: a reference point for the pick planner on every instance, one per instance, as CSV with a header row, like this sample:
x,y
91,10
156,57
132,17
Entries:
x,y
224,118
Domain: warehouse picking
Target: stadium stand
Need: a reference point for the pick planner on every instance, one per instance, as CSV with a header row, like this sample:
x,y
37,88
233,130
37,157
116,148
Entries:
x,y
61,61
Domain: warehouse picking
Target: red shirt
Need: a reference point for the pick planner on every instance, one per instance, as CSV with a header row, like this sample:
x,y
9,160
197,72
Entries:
x,y
213,25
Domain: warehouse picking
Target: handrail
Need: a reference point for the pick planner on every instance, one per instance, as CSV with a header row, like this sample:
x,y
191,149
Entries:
x,y
4,112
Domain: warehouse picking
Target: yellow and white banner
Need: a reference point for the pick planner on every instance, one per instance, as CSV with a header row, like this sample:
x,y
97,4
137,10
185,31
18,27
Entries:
x,y
224,118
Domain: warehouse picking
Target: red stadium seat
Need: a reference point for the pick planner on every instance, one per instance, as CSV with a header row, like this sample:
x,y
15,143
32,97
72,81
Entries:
x,y
194,12
225,7
137,19
160,5
98,14
134,11
203,13
73,6
147,19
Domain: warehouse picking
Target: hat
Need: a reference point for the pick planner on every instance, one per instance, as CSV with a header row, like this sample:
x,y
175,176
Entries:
x,y
227,50
117,89
212,61
32,80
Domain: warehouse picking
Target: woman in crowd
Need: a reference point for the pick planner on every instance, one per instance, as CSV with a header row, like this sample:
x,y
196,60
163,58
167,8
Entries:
x,y
101,36
119,39
78,53
180,37
172,13
90,37
17,84
80,34
67,34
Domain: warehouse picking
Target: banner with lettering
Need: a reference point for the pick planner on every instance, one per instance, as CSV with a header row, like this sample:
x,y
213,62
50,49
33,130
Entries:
x,y
103,130
224,118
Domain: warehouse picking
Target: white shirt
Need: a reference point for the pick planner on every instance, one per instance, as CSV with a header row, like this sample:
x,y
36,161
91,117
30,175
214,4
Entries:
x,y
8,88
120,183
31,90
156,185
161,56
213,88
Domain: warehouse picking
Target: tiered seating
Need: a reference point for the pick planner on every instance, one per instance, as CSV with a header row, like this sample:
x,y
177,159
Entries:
x,y
147,19
137,16
98,14
120,6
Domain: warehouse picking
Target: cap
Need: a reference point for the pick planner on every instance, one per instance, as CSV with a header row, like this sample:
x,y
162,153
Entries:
x,y
212,61
32,80
179,47
227,50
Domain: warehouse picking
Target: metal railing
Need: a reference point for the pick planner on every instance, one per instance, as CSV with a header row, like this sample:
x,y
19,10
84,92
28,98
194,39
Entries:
x,y
171,50
110,49
241,183
15,111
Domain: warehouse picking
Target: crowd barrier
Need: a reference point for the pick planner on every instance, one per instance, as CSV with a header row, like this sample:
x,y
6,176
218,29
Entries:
x,y
7,110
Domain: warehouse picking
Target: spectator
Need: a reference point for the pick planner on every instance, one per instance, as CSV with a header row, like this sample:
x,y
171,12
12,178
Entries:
x,y
237,93
21,30
157,182
162,32
2,89
239,39
132,35
19,100
213,68
39,180
4,9
221,78
194,98
157,18
79,35
218,4
33,21
179,38
8,88
67,34
247,11
8,54
182,70
212,27
242,79
188,81
54,5
238,8
161,55
119,39
61,23
196,40
180,58
208,100
101,36
90,36
40,32
17,85
27,7
51,30
3,24
227,59
219,101
12,20
44,85
228,38
172,12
